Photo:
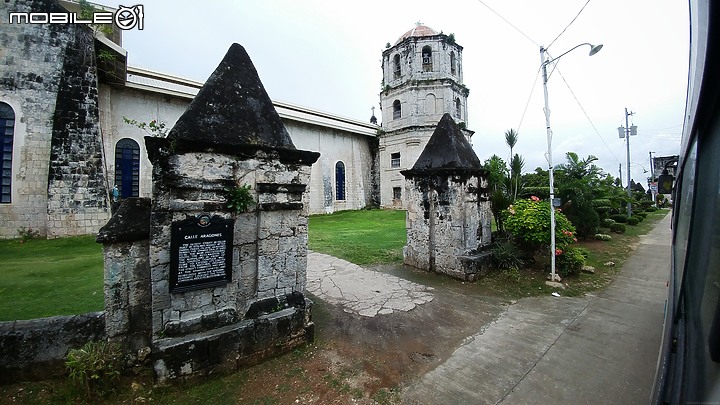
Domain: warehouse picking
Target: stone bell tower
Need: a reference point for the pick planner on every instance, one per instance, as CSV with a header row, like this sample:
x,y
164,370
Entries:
x,y
422,81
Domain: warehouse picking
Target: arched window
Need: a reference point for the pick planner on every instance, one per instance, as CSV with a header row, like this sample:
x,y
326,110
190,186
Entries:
x,y
7,133
396,66
397,111
340,181
453,64
458,108
127,168
427,59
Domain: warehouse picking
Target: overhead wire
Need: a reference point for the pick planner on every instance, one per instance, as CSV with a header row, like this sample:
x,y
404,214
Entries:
x,y
569,24
508,22
587,116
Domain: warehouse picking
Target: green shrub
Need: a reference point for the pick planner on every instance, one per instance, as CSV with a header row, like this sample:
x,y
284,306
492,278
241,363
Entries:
x,y
650,209
621,218
506,256
633,221
603,210
607,222
602,236
529,223
640,215
542,192
618,228
571,261
95,367
601,202
584,218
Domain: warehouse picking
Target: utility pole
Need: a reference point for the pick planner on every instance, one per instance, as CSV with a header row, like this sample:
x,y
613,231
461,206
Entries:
x,y
625,132
652,180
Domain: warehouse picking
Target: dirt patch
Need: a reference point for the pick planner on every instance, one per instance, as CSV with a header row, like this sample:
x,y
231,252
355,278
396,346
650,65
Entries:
x,y
354,359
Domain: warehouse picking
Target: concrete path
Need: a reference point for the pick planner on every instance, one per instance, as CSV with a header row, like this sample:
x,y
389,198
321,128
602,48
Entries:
x,y
361,291
593,350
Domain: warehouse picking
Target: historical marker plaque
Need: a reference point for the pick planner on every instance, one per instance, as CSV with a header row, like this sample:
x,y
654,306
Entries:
x,y
200,253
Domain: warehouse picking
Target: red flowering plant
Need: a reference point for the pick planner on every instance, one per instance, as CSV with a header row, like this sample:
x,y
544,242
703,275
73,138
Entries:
x,y
529,223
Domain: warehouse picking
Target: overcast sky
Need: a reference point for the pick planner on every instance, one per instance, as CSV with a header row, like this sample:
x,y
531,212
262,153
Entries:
x,y
326,55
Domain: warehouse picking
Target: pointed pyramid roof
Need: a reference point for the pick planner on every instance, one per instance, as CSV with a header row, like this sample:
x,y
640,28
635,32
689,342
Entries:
x,y
232,109
447,151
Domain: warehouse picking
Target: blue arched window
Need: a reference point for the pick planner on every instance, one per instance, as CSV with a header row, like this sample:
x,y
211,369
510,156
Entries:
x,y
7,133
340,181
127,168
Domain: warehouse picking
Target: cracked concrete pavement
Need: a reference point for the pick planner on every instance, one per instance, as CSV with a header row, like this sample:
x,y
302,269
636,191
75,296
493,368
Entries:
x,y
362,291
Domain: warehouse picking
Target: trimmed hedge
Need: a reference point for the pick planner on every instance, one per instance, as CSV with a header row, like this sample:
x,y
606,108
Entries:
x,y
621,218
632,221
618,228
607,222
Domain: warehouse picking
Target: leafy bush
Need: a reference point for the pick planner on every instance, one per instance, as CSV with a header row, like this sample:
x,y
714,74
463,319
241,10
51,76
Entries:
x,y
507,256
542,192
601,202
95,367
571,261
603,210
602,236
621,218
633,221
239,199
607,222
618,228
26,234
529,223
640,215
584,217
650,209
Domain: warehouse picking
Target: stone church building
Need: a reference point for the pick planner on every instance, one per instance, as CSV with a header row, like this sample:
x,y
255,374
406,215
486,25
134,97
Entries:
x,y
65,91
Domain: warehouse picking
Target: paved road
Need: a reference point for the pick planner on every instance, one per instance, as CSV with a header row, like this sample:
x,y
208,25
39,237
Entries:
x,y
595,350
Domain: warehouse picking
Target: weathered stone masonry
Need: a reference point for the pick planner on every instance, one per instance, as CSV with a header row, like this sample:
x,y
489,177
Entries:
x,y
448,216
230,136
41,68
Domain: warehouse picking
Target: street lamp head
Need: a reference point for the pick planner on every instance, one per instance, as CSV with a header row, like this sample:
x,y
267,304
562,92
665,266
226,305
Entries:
x,y
595,49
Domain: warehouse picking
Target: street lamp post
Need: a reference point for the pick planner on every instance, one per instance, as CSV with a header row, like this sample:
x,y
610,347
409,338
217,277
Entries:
x,y
543,64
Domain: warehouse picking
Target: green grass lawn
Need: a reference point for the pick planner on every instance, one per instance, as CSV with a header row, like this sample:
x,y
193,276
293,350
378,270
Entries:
x,y
65,276
361,237
50,277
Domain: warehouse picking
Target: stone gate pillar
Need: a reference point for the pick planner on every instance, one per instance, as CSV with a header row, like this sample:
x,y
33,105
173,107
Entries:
x,y
227,286
448,215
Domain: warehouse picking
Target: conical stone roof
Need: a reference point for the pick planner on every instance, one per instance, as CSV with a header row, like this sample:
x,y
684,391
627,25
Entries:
x,y
447,151
232,109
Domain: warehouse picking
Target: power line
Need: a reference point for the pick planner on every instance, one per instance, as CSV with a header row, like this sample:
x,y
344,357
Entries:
x,y
532,89
568,26
509,23
587,116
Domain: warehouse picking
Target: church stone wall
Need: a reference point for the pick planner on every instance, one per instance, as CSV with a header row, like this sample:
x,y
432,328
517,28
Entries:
x,y
77,189
31,64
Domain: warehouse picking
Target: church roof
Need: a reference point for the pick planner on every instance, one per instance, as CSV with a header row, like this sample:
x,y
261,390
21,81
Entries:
x,y
447,151
233,109
418,31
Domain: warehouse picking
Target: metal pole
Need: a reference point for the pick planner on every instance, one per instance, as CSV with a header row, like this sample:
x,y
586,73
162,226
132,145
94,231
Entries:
x,y
550,165
652,180
627,139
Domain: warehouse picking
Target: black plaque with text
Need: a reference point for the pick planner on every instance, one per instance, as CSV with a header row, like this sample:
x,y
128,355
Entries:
x,y
200,253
